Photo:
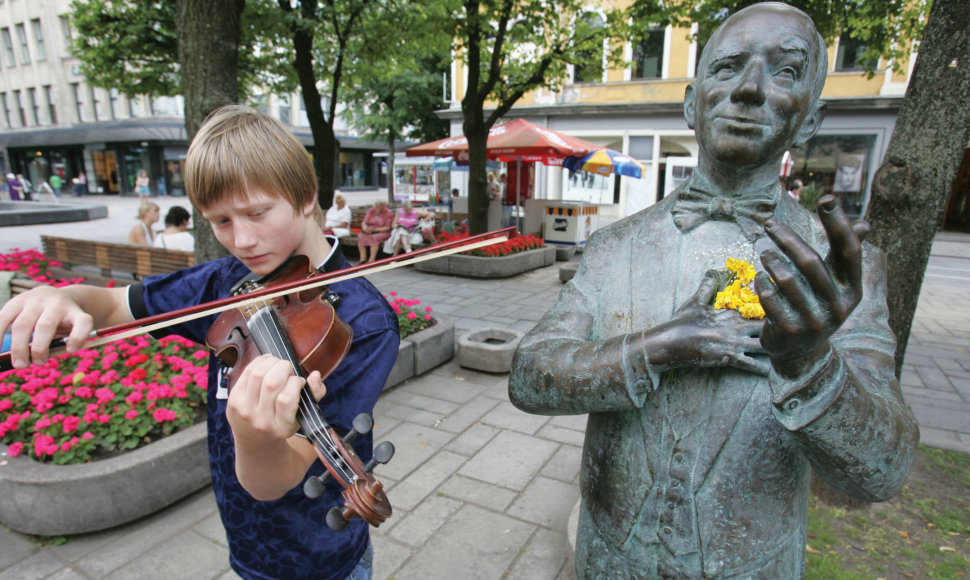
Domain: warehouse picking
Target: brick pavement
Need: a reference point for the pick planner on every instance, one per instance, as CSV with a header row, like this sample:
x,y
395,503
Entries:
x,y
481,490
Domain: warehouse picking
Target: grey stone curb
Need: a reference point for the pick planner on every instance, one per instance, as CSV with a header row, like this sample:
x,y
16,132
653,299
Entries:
x,y
53,500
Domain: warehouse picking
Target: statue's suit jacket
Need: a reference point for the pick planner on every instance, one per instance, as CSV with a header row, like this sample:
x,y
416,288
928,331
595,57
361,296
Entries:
x,y
704,472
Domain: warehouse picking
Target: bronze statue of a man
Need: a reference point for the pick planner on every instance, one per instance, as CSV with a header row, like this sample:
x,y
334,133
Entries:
x,y
703,426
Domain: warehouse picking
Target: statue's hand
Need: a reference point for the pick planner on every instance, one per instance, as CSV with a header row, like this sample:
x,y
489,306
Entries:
x,y
700,336
807,298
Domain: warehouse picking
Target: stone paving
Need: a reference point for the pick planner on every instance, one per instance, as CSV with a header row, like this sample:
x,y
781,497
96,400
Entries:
x,y
480,489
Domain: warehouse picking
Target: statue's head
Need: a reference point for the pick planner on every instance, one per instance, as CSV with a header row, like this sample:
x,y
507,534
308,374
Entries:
x,y
758,85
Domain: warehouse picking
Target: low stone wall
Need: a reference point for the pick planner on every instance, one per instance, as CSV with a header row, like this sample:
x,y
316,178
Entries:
x,y
55,500
481,267
423,351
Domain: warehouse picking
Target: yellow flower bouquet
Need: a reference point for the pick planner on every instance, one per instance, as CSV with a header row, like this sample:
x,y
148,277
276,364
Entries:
x,y
738,295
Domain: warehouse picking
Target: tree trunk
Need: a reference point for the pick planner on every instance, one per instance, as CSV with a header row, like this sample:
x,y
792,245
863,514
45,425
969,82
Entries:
x,y
324,140
209,33
910,190
476,132
390,167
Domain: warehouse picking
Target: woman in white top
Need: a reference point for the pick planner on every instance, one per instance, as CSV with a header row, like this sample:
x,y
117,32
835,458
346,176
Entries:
x,y
141,234
337,220
175,237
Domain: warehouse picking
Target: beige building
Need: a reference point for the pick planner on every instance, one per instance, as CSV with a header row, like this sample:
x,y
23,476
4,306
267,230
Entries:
x,y
53,121
638,110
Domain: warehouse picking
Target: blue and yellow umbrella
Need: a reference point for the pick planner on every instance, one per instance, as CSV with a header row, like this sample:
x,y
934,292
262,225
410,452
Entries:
x,y
604,162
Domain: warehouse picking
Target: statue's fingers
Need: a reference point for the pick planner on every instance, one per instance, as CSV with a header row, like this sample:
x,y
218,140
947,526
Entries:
x,y
861,229
845,246
758,366
805,259
707,289
772,302
788,283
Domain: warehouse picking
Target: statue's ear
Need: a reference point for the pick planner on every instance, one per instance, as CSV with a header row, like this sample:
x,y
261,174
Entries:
x,y
811,124
689,97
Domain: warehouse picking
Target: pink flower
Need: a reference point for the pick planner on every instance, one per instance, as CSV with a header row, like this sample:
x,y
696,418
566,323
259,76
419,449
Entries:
x,y
412,315
131,414
104,395
15,448
71,423
162,414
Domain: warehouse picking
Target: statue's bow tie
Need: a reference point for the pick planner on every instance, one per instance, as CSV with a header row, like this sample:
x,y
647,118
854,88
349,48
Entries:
x,y
695,206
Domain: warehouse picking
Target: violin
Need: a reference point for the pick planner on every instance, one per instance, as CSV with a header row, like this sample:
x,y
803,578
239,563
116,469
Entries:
x,y
303,329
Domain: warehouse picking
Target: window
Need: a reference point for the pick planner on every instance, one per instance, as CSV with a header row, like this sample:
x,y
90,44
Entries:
x,y
592,69
837,164
648,55
303,121
78,102
19,101
24,49
66,30
166,107
6,109
284,102
8,47
39,39
34,105
113,103
51,109
95,103
851,54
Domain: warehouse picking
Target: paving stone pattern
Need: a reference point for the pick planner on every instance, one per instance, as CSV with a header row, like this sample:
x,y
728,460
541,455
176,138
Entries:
x,y
480,489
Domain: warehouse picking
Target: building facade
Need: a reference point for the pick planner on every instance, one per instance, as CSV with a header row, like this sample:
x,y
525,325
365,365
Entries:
x,y
53,122
638,110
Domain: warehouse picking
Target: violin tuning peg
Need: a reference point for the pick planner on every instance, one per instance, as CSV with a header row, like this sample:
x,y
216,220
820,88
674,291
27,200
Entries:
x,y
336,520
363,423
382,454
314,485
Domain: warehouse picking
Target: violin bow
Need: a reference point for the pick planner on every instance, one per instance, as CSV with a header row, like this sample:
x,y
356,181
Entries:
x,y
108,334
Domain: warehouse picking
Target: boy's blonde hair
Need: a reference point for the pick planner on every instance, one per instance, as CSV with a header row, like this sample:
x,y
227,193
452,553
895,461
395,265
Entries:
x,y
238,148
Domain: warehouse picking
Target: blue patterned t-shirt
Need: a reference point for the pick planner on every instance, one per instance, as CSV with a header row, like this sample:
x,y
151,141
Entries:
x,y
285,538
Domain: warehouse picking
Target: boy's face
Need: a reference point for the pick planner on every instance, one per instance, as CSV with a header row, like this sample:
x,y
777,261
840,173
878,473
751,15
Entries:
x,y
262,231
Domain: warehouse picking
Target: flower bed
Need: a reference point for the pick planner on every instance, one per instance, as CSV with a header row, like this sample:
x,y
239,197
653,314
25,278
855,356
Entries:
x,y
76,429
81,407
34,265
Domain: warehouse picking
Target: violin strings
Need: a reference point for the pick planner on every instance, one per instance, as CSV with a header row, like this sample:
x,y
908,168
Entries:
x,y
326,443
273,337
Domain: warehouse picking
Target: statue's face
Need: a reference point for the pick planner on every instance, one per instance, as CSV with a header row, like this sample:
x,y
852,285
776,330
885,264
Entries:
x,y
753,94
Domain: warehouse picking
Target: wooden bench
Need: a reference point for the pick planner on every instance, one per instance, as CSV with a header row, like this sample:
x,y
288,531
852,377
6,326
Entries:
x,y
138,261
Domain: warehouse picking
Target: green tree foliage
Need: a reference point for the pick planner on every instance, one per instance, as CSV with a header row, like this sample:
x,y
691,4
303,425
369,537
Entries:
x,y
133,46
401,105
511,47
887,28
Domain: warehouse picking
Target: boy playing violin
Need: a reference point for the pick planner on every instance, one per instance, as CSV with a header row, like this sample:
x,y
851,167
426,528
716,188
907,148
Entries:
x,y
253,182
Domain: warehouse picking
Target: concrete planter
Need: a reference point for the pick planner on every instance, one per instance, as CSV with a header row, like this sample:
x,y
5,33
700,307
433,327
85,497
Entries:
x,y
54,500
481,267
424,350
488,349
